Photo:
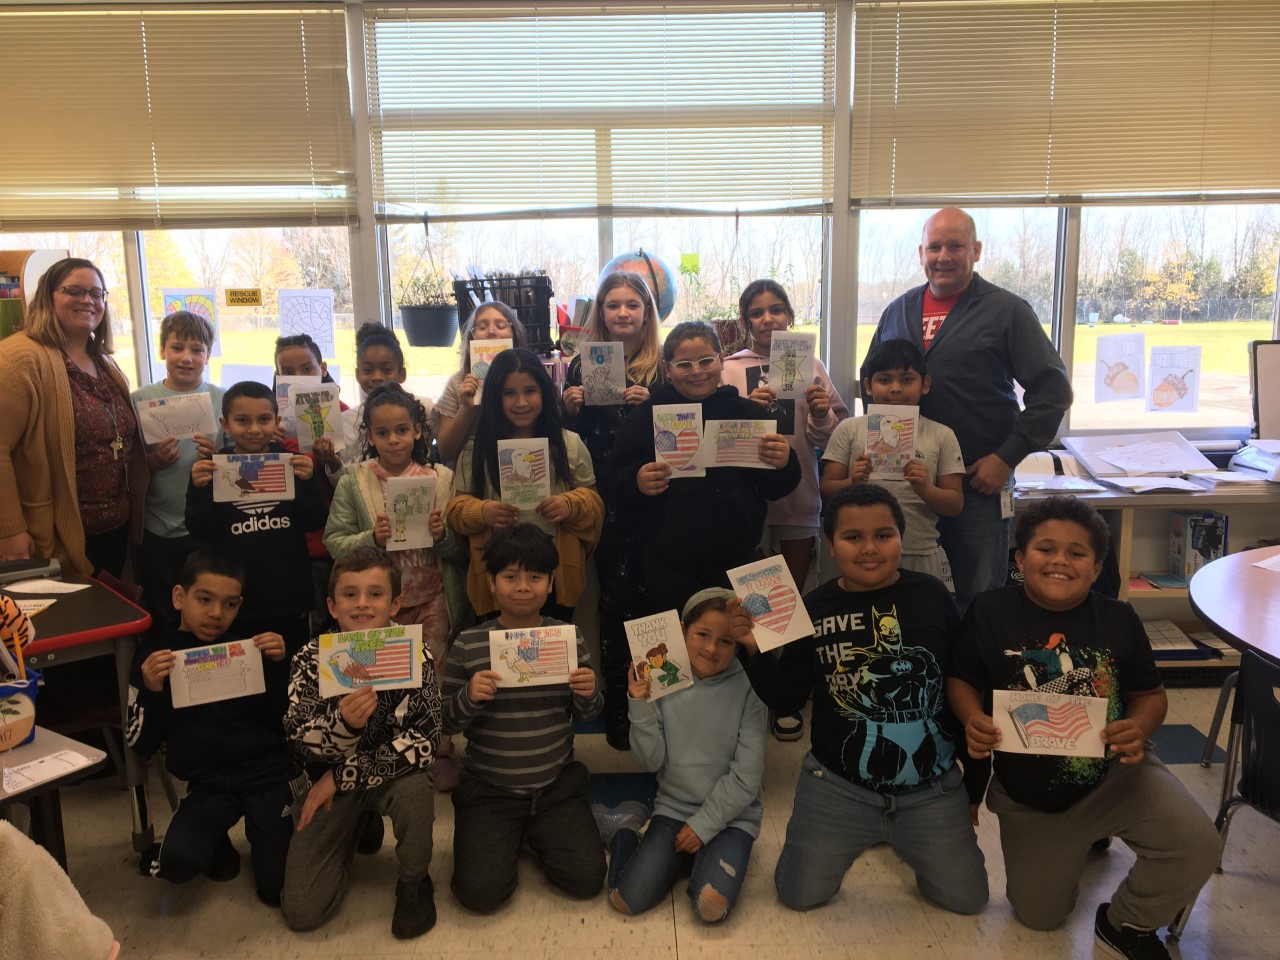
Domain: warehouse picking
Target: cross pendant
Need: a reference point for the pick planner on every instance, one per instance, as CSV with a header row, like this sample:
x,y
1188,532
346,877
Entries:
x,y
116,446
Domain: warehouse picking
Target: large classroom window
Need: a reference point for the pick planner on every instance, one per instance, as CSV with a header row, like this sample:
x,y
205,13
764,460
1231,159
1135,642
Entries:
x,y
1200,278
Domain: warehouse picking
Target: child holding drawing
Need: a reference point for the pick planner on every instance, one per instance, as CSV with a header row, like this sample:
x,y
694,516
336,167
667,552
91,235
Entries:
x,y
707,746
520,403
268,537
693,528
185,341
361,516
1056,636
379,362
365,752
520,782
231,753
624,312
454,416
806,420
881,767
894,374
394,422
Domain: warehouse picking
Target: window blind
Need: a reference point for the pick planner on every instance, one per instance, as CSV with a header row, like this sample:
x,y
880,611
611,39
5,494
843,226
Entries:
x,y
175,116
569,108
1066,100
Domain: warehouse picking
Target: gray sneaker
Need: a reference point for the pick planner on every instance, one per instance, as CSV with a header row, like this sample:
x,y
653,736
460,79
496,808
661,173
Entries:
x,y
628,815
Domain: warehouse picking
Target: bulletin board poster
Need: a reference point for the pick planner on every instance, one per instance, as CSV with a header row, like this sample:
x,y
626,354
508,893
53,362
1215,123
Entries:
x,y
202,301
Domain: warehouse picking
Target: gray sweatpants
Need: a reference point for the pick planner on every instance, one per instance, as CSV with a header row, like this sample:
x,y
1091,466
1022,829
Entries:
x,y
315,876
1144,805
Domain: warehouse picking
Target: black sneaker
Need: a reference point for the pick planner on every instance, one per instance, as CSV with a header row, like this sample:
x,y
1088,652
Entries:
x,y
225,863
415,912
787,729
371,830
149,861
1127,943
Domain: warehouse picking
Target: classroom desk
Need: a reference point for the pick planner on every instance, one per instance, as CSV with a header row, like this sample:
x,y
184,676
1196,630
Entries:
x,y
98,622
1240,602
43,798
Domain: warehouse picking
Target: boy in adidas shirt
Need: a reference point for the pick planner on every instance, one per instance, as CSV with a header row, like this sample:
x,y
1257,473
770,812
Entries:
x,y
267,537
1052,634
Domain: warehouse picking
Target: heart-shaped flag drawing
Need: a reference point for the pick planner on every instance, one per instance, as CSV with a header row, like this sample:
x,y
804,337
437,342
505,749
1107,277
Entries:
x,y
781,602
480,369
676,449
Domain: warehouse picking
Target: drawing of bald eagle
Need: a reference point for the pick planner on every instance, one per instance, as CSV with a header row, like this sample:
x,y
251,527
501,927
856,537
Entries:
x,y
890,429
522,462
344,669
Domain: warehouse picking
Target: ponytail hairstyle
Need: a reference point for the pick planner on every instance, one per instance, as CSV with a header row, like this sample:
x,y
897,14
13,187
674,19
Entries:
x,y
392,394
494,426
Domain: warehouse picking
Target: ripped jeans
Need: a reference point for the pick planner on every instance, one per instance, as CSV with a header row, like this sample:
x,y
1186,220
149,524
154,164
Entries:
x,y
641,871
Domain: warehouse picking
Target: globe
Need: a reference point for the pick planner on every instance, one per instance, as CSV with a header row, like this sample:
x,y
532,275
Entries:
x,y
660,277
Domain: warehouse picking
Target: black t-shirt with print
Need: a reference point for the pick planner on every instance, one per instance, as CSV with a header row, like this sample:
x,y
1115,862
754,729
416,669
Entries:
x,y
1096,649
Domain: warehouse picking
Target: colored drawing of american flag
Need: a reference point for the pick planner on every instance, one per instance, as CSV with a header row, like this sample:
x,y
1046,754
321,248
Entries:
x,y
527,466
394,661
733,449
264,477
548,655
1066,720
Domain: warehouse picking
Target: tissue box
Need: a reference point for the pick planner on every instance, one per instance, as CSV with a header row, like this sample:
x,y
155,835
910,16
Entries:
x,y
1194,540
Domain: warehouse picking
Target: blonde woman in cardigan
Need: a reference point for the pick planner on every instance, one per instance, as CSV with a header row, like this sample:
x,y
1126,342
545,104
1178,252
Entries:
x,y
73,471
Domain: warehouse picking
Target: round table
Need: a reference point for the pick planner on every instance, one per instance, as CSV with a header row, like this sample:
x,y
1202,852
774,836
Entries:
x,y
1241,602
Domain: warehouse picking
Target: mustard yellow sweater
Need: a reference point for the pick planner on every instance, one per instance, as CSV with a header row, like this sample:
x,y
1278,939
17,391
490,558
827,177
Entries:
x,y
37,453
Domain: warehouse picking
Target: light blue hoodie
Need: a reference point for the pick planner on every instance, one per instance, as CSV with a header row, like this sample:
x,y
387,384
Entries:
x,y
711,765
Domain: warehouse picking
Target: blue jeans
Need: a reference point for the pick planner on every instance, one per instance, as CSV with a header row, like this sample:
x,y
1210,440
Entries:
x,y
834,820
641,872
977,544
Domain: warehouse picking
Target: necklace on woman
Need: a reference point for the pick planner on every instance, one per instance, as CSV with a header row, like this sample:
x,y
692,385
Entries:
x,y
117,444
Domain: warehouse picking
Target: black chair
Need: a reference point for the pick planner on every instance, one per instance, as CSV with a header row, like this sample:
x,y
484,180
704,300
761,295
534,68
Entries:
x,y
1256,717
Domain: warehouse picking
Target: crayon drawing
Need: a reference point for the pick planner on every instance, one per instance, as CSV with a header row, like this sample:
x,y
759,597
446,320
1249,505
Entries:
x,y
183,417
791,362
250,477
203,302
537,656
1120,371
1054,724
736,443
658,653
220,671
388,658
318,414
1174,381
768,592
604,375
482,353
891,439
524,476
284,405
410,501
677,436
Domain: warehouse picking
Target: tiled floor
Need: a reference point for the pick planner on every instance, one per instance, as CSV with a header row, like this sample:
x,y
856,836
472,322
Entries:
x,y
878,914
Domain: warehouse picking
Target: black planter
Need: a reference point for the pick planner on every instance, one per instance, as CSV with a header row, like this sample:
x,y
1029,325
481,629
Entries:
x,y
430,326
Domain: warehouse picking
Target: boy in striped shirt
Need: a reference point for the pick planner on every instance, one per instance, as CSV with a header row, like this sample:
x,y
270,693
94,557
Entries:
x,y
519,779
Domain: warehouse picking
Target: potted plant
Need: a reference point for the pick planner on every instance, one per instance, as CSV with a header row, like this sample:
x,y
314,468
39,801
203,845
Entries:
x,y
428,311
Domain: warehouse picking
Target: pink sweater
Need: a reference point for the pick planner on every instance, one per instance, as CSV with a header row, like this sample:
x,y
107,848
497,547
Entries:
x,y
802,506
